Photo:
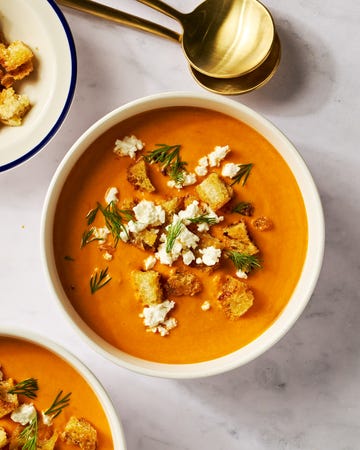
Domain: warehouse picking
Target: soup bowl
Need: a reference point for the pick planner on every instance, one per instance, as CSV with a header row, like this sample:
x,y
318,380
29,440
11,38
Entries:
x,y
242,347
28,356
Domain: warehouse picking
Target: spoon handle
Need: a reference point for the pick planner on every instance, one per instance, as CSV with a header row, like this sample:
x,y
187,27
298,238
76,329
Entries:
x,y
115,15
163,8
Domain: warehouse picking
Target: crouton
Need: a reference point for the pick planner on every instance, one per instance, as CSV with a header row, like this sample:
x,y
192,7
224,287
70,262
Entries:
x,y
145,239
236,238
3,437
79,432
235,298
214,191
137,175
16,59
262,223
147,286
171,207
182,283
8,402
13,107
48,444
15,441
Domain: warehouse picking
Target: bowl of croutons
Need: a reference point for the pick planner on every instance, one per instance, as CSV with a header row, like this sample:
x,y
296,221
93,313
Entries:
x,y
182,235
49,399
37,77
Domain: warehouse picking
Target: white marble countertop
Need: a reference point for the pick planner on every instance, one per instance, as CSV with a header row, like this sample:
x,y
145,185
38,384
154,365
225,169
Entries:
x,y
304,393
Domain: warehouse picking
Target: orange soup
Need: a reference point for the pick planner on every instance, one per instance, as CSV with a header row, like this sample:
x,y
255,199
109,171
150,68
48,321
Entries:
x,y
240,234
28,369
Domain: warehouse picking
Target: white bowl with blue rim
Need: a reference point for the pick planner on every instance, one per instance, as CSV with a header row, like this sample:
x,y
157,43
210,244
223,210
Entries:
x,y
50,88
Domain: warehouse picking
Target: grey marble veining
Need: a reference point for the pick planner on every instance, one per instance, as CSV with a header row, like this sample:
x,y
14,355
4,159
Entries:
x,y
304,393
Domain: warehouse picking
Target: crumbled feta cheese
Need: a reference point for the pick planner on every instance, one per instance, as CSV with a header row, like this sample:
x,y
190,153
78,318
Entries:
x,y
187,238
149,262
24,414
188,180
241,274
101,234
136,227
217,155
148,213
164,257
47,419
190,212
111,195
210,255
107,256
230,170
124,234
188,257
155,317
201,168
128,146
206,306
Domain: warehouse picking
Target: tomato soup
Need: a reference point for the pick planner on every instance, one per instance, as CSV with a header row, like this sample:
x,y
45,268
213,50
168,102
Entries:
x,y
22,360
202,332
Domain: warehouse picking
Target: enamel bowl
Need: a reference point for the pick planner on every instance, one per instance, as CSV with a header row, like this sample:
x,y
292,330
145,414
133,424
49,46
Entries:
x,y
50,87
57,350
313,258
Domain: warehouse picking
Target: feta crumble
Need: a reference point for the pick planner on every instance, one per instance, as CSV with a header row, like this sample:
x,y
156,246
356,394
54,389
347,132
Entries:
x,y
128,146
101,234
230,170
149,262
24,414
210,255
155,317
217,155
206,306
202,168
111,195
107,256
241,274
46,418
146,212
188,180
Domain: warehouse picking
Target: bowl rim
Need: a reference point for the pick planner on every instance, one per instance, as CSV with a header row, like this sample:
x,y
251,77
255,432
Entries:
x,y
94,383
69,97
313,259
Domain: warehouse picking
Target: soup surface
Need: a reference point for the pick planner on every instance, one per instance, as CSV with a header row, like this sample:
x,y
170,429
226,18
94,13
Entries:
x,y
22,360
203,329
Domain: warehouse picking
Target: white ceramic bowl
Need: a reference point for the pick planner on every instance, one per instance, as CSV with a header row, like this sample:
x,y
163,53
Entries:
x,y
42,26
311,268
85,373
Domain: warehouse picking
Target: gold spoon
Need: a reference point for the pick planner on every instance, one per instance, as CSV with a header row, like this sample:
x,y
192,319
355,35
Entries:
x,y
223,38
232,86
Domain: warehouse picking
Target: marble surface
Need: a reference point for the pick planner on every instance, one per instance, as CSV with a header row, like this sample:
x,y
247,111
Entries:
x,y
304,393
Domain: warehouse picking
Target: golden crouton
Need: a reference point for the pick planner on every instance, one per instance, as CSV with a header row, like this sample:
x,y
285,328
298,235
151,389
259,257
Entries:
x,y
8,402
171,207
15,441
145,239
81,433
13,107
48,444
137,175
214,191
147,286
16,59
236,238
3,437
235,298
262,223
182,283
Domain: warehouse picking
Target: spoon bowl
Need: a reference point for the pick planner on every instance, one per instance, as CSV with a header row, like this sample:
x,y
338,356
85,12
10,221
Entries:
x,y
224,38
245,83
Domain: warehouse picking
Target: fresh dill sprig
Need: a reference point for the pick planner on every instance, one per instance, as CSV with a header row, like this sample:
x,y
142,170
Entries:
x,y
99,280
243,174
87,237
29,435
243,208
26,387
58,405
90,216
173,232
69,258
114,219
169,158
244,262
203,218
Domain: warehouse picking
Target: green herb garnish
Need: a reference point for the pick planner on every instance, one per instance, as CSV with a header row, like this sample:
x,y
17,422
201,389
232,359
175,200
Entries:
x,y
87,237
243,208
99,280
173,232
243,174
91,215
169,158
114,219
69,258
29,435
27,388
243,261
58,405
203,218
